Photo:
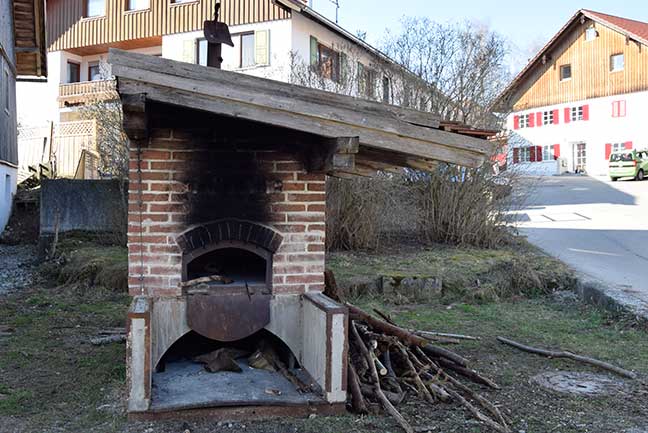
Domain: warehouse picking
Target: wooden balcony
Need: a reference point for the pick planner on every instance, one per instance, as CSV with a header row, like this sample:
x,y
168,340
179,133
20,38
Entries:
x,y
86,92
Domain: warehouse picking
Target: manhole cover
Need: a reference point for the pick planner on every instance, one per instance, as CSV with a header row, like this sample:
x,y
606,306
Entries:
x,y
585,384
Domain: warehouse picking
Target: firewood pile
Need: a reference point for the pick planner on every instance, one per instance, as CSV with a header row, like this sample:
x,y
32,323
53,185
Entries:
x,y
388,363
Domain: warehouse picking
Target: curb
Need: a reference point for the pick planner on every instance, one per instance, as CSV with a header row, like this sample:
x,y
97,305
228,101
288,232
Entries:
x,y
611,298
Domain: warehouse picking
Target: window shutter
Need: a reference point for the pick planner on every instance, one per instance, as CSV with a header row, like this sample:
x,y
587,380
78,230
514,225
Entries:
x,y
567,114
585,112
539,118
262,47
189,51
516,155
628,145
531,120
615,109
516,122
538,153
344,68
313,51
556,151
608,150
532,154
556,117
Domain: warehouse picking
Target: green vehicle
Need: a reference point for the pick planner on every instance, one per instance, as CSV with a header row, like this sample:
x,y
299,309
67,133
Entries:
x,y
629,163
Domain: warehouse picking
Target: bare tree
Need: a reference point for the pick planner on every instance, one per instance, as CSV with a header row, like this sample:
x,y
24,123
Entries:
x,y
463,64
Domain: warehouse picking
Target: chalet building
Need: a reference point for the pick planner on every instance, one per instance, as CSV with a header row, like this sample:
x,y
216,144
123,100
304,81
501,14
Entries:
x,y
22,54
271,39
583,96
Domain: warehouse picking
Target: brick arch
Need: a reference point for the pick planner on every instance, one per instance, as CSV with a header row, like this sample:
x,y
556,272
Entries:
x,y
232,230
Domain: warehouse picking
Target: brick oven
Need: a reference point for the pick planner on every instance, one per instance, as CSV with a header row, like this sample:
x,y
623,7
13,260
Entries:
x,y
226,230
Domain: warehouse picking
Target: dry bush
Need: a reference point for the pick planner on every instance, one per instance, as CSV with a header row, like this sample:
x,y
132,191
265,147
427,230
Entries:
x,y
463,206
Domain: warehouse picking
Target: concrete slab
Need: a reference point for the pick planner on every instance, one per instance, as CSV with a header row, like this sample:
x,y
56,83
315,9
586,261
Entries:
x,y
187,385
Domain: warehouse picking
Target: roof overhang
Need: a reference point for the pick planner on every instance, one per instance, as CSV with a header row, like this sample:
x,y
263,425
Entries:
x,y
29,37
386,135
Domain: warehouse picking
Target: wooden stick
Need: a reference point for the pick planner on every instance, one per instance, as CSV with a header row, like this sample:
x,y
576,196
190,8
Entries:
x,y
564,354
381,396
471,374
357,400
406,336
477,413
417,379
426,334
386,317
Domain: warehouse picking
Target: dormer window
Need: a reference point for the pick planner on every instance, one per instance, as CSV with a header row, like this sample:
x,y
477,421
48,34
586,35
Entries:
x,y
565,72
590,34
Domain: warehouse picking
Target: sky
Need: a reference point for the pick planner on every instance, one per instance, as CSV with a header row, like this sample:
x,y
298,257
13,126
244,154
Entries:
x,y
527,24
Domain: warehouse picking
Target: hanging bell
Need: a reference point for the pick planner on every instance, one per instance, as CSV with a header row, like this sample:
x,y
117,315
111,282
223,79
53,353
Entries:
x,y
217,32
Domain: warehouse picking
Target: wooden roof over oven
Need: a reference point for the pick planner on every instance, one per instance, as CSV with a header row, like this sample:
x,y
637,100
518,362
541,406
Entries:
x,y
364,136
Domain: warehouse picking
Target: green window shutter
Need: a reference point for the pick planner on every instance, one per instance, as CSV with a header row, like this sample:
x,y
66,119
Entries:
x,y
313,51
189,51
344,68
262,47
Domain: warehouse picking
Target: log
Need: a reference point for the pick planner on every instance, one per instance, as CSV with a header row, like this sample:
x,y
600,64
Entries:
x,y
412,371
393,397
206,280
223,359
569,355
107,339
405,336
357,400
391,410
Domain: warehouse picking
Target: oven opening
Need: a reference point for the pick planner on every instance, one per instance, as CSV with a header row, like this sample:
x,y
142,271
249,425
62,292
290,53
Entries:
x,y
230,267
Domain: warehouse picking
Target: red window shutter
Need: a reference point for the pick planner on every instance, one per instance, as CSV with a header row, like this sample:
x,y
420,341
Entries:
x,y
556,151
556,117
516,122
608,150
531,120
516,155
538,153
538,118
567,115
532,154
628,145
585,112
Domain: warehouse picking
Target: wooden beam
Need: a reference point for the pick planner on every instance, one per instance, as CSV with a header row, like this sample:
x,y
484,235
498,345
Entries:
x,y
135,117
332,154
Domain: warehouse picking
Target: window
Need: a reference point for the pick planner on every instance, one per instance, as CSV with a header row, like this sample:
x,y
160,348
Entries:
x,y
94,72
617,62
577,113
618,147
7,188
591,34
525,120
386,94
182,1
548,117
525,154
202,52
73,72
95,8
565,72
137,5
328,62
549,152
366,81
619,109
247,50
7,94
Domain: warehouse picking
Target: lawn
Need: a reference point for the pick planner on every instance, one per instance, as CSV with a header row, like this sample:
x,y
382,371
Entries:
x,y
52,379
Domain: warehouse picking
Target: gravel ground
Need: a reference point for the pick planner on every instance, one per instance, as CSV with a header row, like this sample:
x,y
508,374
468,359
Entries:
x,y
17,263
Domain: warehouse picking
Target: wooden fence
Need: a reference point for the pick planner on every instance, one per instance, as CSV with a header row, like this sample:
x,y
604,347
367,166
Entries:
x,y
70,148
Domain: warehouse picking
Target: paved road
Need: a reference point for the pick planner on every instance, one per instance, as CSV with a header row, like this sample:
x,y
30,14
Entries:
x,y
597,226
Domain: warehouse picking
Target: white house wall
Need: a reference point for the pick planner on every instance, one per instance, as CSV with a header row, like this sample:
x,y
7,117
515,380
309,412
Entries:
x,y
599,130
182,47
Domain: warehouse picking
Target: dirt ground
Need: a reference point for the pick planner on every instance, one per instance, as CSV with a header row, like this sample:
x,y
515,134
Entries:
x,y
53,380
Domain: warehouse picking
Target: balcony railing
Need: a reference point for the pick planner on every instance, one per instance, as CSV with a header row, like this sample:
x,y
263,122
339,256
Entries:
x,y
86,92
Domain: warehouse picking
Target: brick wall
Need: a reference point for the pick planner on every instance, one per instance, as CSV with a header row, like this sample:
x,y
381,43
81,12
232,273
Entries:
x,y
174,167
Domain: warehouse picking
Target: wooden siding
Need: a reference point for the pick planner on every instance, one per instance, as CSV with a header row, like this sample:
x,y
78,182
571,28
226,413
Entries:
x,y
590,64
30,37
68,29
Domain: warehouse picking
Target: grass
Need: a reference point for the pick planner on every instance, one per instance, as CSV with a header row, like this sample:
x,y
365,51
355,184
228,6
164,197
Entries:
x,y
52,379
467,273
